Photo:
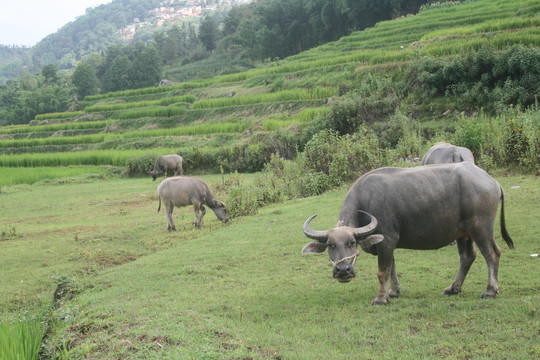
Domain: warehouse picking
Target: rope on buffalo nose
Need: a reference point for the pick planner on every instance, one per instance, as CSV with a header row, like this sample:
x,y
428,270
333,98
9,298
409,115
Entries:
x,y
353,256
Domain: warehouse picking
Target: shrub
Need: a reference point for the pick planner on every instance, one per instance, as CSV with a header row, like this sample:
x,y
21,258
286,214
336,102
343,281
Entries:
x,y
512,139
342,157
140,166
481,78
375,100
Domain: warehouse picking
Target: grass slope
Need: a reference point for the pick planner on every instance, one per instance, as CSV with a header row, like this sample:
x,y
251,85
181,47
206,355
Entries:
x,y
243,290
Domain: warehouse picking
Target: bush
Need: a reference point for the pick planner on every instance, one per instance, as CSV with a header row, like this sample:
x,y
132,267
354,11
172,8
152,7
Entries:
x,y
342,157
512,139
140,166
483,78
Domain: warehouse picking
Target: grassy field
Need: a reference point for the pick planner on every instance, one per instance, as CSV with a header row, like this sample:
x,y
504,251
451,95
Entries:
x,y
244,290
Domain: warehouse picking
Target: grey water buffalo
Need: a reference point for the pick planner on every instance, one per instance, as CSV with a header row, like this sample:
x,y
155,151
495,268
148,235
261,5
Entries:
x,y
421,208
182,191
442,153
165,163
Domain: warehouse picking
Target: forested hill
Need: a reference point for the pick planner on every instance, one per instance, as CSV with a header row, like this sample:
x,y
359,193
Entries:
x,y
260,28
120,21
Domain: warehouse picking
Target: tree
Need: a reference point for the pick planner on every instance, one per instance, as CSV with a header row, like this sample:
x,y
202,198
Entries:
x,y
50,73
116,77
146,68
84,80
208,33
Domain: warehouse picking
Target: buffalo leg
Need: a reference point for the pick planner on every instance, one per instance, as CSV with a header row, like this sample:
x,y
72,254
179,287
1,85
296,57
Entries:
x,y
170,226
395,288
486,243
200,210
385,264
467,254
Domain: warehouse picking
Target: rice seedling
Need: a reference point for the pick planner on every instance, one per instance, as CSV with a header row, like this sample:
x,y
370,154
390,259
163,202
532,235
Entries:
x,y
285,95
64,140
21,129
21,175
59,115
139,104
20,339
88,157
151,112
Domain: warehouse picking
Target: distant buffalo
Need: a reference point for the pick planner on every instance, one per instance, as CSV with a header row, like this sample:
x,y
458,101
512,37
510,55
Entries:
x,y
183,191
165,163
443,153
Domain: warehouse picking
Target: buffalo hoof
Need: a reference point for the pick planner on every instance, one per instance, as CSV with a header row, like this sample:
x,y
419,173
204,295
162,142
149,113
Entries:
x,y
395,293
451,291
489,294
378,301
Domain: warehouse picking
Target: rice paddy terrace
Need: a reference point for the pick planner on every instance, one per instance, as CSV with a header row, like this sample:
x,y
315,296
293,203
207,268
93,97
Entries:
x,y
210,117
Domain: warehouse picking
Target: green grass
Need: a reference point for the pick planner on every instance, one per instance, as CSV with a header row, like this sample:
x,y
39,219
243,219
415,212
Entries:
x,y
23,129
20,339
243,289
21,175
131,105
59,115
88,157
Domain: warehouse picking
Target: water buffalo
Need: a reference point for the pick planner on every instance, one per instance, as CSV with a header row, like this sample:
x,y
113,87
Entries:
x,y
424,207
442,153
167,162
182,191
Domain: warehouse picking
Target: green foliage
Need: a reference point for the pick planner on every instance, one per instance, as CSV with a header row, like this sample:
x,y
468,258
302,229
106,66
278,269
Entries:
x,y
140,165
131,105
280,28
32,175
84,80
342,158
59,115
409,144
482,78
146,68
20,339
117,75
285,95
208,33
512,139
151,112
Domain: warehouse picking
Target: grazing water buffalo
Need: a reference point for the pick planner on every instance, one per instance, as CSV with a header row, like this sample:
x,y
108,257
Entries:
x,y
420,208
182,191
442,153
167,162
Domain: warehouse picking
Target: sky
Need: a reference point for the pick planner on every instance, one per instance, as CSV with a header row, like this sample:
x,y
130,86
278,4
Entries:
x,y
26,22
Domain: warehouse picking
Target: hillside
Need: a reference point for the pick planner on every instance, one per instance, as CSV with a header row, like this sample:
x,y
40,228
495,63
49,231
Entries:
x,y
235,122
118,22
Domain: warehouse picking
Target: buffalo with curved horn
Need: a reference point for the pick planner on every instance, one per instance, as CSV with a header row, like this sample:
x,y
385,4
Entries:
x,y
421,208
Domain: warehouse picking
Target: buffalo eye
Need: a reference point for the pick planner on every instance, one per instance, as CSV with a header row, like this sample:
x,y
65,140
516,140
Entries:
x,y
331,245
351,244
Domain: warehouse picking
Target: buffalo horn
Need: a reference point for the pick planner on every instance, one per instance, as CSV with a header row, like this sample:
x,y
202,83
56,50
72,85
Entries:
x,y
368,229
320,236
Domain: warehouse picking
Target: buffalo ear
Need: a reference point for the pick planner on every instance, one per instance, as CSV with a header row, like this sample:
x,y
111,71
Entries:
x,y
371,240
218,203
314,247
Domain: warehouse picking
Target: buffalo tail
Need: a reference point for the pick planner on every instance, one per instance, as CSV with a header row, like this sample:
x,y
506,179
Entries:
x,y
159,207
504,233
